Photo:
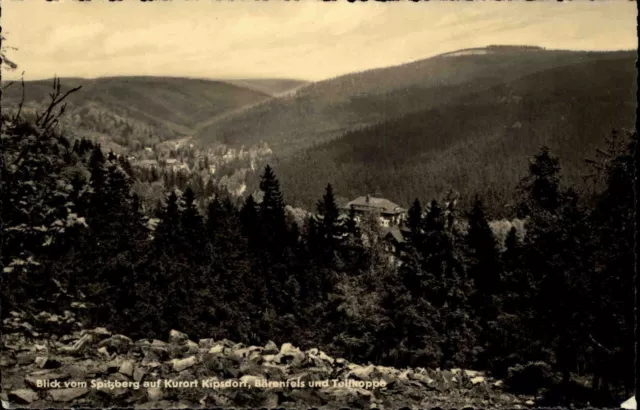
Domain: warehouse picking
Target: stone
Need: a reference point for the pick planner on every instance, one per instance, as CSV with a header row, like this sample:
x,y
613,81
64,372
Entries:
x,y
177,337
117,343
100,333
271,348
252,380
24,396
477,379
206,343
79,347
44,375
40,362
77,372
111,366
362,373
154,393
6,360
126,368
25,358
269,358
67,394
182,364
217,349
139,373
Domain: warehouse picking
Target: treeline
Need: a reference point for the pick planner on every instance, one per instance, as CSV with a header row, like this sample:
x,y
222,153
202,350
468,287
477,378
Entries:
x,y
553,310
477,142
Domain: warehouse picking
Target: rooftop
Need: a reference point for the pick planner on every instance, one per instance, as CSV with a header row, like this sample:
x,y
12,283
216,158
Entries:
x,y
381,204
394,232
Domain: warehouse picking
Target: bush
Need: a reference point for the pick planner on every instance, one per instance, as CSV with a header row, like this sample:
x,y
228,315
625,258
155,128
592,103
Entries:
x,y
531,377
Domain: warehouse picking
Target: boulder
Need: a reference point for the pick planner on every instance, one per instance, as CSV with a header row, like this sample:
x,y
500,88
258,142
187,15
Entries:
x,y
139,373
216,349
116,344
206,343
154,394
23,396
126,368
65,395
270,348
177,337
182,364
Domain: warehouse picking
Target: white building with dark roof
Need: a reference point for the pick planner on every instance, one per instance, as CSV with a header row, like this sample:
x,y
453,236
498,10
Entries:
x,y
389,213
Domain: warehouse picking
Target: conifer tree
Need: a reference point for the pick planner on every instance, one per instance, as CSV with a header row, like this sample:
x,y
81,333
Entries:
x,y
414,220
330,230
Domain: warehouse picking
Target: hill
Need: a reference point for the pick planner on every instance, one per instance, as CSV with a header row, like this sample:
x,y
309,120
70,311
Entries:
x,y
325,110
174,103
271,86
477,143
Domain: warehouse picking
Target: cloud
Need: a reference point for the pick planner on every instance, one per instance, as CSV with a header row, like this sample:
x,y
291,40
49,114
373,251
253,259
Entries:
x,y
305,39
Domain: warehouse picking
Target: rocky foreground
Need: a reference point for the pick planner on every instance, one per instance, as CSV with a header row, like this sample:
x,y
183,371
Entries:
x,y
95,368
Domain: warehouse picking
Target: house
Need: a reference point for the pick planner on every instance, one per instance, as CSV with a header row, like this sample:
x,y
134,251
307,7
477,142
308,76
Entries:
x,y
389,213
175,165
145,163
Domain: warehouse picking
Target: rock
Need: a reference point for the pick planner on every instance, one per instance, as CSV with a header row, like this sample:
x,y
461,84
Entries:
x,y
126,368
116,344
154,393
477,379
192,347
77,372
79,347
24,358
252,380
40,362
181,364
67,394
177,337
290,355
111,366
269,358
206,343
139,373
270,348
25,396
158,350
99,333
529,402
472,373
217,349
44,376
6,360
362,373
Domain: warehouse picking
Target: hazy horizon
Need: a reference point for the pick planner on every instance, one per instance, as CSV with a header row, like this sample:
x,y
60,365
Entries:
x,y
308,41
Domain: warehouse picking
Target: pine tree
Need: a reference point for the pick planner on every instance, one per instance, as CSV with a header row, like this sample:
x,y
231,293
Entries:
x,y
192,226
542,187
250,219
272,215
414,220
330,228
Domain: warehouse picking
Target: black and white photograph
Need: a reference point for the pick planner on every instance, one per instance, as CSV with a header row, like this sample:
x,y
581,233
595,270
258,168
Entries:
x,y
298,204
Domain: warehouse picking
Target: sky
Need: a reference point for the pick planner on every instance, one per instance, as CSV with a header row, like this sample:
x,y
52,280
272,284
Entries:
x,y
305,39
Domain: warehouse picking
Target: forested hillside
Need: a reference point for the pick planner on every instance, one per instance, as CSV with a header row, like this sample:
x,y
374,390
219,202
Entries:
x,y
325,110
477,144
551,314
117,107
